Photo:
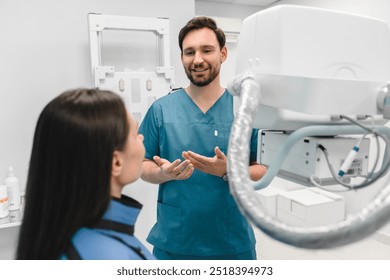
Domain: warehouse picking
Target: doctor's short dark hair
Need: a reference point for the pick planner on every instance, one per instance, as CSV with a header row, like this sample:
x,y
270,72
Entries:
x,y
199,23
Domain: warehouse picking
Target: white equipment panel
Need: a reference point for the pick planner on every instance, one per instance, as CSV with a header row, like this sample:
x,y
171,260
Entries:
x,y
138,88
306,159
313,63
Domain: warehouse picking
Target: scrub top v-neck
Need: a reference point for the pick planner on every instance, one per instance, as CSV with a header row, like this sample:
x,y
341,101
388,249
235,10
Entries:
x,y
197,216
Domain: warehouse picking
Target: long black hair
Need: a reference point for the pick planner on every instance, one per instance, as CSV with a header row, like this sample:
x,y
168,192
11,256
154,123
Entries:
x,y
68,184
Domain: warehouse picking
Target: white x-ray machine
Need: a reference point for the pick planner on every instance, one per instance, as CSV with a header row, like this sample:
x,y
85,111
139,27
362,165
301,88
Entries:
x,y
312,75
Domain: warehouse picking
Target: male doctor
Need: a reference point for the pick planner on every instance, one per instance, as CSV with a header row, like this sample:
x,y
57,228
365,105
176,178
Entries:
x,y
186,135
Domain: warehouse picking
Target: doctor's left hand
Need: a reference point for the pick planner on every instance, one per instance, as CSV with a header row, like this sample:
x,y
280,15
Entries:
x,y
216,165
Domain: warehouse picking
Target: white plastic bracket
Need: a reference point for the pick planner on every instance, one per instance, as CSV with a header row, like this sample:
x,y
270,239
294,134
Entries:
x,y
100,73
159,26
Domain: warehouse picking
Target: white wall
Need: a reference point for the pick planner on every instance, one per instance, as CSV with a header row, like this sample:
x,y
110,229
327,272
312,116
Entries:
x,y
44,50
216,9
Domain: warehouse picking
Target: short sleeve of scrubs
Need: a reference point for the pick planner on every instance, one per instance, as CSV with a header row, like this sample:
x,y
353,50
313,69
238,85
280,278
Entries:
x,y
150,129
253,147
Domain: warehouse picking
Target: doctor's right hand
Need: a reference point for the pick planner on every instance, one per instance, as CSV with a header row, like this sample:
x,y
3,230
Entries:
x,y
176,170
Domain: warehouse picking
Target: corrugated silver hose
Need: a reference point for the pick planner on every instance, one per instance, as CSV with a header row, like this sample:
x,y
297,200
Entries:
x,y
355,227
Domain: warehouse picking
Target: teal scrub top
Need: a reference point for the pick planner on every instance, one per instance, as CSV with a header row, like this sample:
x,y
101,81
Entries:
x,y
197,216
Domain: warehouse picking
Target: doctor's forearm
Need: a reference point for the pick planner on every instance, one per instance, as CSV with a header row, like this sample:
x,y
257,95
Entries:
x,y
257,171
152,173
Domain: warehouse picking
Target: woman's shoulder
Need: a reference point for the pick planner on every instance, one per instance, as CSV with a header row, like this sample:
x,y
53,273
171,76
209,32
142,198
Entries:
x,y
93,244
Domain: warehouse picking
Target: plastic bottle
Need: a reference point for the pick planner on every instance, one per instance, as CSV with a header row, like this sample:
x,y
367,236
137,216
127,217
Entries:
x,y
3,202
13,190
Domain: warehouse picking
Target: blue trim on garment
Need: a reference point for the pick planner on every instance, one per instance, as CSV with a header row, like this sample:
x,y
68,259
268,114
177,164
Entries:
x,y
107,240
124,210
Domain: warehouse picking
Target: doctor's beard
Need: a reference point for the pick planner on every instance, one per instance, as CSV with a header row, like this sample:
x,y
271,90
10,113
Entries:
x,y
201,82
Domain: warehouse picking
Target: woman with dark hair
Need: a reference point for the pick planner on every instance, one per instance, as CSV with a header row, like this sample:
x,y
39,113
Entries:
x,y
86,149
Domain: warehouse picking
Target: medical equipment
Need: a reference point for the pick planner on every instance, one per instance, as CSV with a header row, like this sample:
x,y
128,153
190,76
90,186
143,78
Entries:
x,y
306,159
311,73
138,88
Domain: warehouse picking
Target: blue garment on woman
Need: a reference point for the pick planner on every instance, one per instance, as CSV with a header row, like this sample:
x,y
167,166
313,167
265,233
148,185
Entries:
x,y
197,216
112,237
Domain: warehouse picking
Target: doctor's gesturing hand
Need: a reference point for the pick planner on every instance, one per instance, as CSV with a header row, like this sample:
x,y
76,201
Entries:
x,y
216,165
176,170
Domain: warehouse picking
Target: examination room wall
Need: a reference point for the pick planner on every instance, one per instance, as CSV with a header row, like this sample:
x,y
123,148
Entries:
x,y
44,50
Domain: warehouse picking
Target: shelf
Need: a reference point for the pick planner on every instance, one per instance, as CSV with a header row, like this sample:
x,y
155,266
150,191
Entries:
x,y
10,224
14,219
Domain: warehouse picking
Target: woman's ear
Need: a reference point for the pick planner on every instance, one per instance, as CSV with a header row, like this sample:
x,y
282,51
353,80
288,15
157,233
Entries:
x,y
117,164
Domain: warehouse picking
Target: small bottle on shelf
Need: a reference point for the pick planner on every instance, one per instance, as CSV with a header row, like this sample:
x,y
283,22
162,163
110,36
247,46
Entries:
x,y
3,202
13,190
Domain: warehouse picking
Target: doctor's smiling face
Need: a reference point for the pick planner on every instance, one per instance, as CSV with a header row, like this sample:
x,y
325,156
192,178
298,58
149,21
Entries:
x,y
202,56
